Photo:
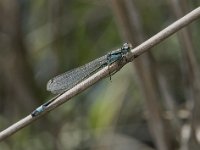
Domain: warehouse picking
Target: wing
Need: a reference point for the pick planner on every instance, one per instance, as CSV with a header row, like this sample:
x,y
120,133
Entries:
x,y
71,78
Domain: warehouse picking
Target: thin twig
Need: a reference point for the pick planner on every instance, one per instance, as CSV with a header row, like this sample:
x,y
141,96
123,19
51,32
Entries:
x,y
190,17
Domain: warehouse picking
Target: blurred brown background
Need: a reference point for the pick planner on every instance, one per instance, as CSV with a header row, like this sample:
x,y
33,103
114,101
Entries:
x,y
152,103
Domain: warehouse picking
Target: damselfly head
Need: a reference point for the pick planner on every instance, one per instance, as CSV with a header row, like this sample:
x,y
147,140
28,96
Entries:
x,y
126,47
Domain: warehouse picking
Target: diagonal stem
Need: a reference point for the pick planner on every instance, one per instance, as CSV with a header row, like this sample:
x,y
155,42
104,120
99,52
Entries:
x,y
145,46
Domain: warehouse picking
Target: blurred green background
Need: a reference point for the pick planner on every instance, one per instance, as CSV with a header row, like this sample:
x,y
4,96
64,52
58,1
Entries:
x,y
148,104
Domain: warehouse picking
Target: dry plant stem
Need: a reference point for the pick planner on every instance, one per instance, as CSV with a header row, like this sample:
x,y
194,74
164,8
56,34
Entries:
x,y
105,71
193,15
191,76
128,20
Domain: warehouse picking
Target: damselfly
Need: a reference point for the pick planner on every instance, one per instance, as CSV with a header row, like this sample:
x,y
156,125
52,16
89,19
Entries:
x,y
69,79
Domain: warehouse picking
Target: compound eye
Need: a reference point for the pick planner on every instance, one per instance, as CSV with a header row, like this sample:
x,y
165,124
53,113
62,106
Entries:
x,y
127,46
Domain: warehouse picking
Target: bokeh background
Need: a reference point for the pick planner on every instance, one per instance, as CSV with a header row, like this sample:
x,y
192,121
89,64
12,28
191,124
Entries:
x,y
151,103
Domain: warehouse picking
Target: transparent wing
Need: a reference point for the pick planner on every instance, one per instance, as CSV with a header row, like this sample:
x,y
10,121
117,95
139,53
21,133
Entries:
x,y
70,78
